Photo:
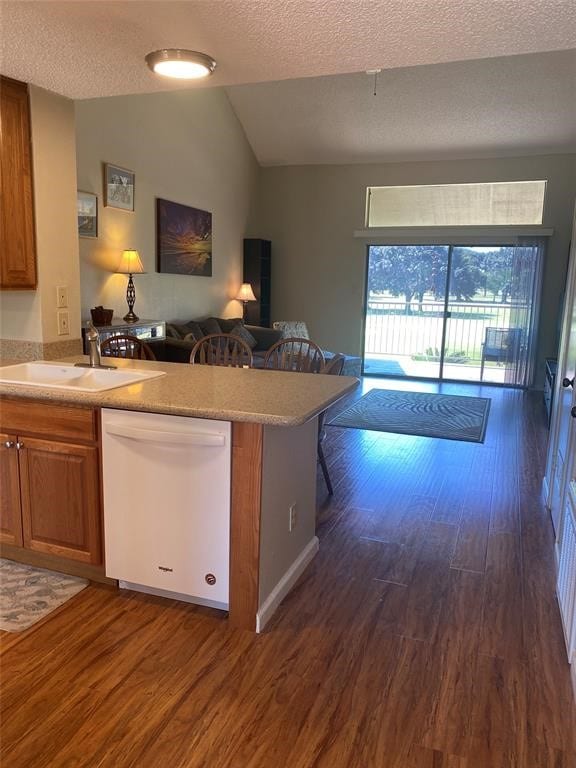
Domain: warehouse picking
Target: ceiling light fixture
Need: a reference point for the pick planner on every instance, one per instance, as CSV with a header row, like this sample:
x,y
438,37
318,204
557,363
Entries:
x,y
179,63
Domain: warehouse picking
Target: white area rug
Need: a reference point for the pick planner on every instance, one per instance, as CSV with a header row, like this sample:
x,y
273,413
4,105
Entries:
x,y
28,594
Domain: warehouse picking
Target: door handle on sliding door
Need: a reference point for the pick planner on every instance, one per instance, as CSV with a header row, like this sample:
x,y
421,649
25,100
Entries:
x,y
567,382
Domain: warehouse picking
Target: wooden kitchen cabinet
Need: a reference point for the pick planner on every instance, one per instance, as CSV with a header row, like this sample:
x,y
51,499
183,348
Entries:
x,y
10,508
60,499
17,238
52,501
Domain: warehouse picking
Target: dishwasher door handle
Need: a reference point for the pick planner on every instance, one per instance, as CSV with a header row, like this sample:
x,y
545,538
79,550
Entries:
x,y
215,440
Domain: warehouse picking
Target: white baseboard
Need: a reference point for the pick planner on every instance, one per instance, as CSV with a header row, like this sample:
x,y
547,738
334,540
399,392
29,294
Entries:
x,y
269,606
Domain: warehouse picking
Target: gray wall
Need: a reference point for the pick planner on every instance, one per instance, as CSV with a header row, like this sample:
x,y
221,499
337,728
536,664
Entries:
x,y
310,213
283,486
187,147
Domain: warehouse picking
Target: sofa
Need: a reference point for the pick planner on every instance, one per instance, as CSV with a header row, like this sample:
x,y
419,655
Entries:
x,y
182,335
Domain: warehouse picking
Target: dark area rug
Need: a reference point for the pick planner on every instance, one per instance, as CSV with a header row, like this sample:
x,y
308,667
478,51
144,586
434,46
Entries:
x,y
451,417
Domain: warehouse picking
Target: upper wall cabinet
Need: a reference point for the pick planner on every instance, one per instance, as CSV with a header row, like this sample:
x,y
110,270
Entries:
x,y
17,242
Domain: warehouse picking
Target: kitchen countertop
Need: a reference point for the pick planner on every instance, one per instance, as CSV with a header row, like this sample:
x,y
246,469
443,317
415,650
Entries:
x,y
210,392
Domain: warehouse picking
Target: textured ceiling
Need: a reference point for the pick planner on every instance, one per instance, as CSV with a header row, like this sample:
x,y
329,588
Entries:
x,y
90,49
506,106
500,77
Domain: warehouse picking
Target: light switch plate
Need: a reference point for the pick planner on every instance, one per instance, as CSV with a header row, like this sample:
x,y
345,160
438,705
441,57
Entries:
x,y
62,296
63,323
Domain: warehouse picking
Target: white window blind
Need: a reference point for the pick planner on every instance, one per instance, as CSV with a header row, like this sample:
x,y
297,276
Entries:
x,y
512,203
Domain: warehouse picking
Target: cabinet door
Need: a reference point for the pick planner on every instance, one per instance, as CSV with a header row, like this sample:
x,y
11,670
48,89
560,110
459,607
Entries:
x,y
60,487
10,511
17,242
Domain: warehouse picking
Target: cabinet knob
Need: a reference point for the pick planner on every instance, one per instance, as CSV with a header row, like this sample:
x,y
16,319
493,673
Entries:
x,y
567,382
9,444
19,445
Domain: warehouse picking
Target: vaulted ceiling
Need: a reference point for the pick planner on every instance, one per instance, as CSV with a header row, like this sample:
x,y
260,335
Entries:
x,y
459,77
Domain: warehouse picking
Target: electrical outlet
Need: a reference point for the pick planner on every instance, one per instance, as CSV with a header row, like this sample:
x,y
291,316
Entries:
x,y
62,296
63,323
293,516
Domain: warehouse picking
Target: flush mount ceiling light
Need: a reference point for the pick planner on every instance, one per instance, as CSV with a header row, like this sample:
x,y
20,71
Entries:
x,y
179,63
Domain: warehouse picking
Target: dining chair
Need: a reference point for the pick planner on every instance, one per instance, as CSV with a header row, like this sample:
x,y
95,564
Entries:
x,y
333,367
126,346
222,349
295,354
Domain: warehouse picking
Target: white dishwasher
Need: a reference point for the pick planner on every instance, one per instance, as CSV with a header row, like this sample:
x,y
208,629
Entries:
x,y
167,504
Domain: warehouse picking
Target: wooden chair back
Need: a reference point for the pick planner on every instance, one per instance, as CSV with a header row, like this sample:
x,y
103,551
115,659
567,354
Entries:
x,y
222,349
126,346
333,367
294,354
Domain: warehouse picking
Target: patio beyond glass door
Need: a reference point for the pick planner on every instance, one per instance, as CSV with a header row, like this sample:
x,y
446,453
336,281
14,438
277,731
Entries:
x,y
405,310
452,312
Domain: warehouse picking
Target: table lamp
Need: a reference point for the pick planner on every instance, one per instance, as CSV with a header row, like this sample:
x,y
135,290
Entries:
x,y
130,264
245,294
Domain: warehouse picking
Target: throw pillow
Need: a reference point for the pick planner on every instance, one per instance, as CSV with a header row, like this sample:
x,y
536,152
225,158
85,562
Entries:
x,y
180,329
194,328
172,332
229,323
243,333
210,325
292,329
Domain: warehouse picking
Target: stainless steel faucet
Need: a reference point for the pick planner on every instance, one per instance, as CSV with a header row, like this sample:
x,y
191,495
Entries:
x,y
93,340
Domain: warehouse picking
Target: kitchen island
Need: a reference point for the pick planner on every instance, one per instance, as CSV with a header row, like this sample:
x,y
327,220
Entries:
x,y
273,462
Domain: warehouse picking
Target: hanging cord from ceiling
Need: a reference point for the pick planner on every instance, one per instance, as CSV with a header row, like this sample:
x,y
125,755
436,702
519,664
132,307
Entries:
x,y
374,73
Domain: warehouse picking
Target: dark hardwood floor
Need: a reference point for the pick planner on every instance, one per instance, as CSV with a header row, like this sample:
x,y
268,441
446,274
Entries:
x,y
425,634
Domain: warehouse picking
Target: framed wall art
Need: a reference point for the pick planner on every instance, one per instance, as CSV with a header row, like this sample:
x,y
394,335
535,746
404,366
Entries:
x,y
118,187
87,210
183,239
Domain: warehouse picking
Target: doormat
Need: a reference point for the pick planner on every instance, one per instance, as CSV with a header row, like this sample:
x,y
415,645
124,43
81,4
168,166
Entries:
x,y
28,594
450,417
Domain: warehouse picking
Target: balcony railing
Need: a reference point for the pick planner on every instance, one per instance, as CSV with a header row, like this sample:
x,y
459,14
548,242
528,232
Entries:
x,y
415,329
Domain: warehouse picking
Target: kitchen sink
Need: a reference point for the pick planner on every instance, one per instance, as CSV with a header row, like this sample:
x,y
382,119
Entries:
x,y
71,377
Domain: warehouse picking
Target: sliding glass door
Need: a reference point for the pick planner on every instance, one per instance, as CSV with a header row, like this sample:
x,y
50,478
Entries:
x,y
405,307
455,312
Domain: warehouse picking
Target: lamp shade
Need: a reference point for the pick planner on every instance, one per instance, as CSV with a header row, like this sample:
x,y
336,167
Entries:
x,y
130,263
245,293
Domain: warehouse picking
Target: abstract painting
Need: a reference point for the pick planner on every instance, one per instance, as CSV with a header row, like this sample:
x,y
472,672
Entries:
x,y
184,239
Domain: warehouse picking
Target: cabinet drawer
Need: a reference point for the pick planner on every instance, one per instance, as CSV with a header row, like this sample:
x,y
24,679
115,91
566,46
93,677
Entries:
x,y
47,419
